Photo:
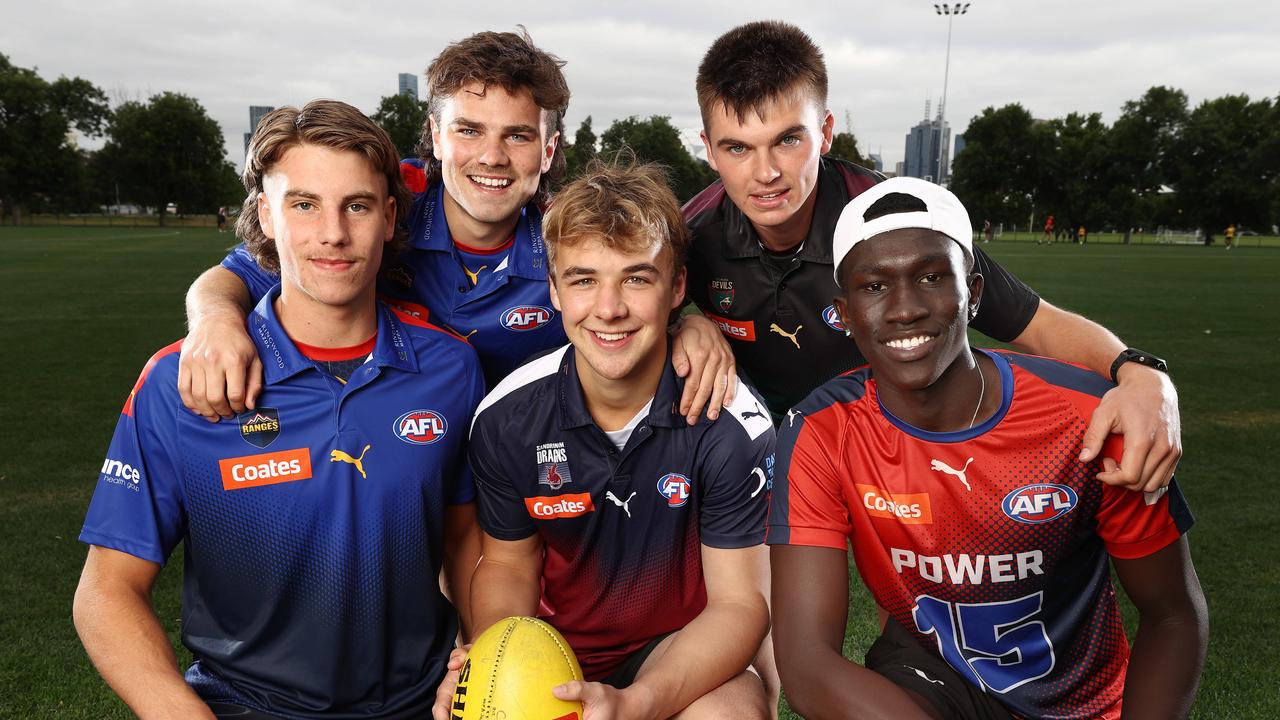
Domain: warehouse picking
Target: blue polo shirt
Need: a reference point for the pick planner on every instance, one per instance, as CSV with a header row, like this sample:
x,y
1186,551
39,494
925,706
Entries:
x,y
312,527
623,529
505,314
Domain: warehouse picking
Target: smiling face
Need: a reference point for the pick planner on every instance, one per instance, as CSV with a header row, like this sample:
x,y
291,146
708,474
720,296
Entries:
x,y
768,161
330,215
907,300
615,306
493,151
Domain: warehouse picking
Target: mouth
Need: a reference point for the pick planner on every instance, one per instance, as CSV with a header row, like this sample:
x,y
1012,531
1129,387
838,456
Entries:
x,y
770,199
611,339
489,182
910,347
334,264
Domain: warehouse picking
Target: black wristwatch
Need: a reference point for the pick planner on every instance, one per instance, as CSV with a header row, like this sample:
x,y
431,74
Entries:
x,y
1142,357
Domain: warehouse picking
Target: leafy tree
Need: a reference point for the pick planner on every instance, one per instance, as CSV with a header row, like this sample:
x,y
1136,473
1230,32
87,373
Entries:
x,y
845,146
581,151
1139,151
1000,175
403,118
39,164
167,150
657,140
1074,173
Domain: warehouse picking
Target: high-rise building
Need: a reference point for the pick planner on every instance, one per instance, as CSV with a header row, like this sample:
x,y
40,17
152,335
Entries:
x,y
409,85
256,113
922,148
877,163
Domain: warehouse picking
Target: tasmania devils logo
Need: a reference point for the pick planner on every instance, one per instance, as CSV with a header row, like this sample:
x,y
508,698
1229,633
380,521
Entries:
x,y
832,318
523,318
420,427
1039,503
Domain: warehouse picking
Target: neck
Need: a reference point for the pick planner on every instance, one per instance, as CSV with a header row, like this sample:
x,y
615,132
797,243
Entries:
x,y
311,322
472,232
789,234
612,403
951,403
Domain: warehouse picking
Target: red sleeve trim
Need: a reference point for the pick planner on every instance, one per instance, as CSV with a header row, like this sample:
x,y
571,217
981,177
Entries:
x,y
416,315
811,537
146,370
1147,546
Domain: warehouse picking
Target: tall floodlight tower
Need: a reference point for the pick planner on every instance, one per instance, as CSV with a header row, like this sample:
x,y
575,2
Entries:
x,y
951,10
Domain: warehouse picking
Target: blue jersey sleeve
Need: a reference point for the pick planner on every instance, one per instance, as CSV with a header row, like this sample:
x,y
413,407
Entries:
x,y
735,473
499,508
463,489
137,506
257,280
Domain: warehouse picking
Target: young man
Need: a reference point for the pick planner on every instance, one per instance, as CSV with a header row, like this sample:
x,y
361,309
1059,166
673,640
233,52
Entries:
x,y
315,527
477,260
975,527
636,535
760,262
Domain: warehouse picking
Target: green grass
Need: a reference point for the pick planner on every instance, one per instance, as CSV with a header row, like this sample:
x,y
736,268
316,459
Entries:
x,y
84,307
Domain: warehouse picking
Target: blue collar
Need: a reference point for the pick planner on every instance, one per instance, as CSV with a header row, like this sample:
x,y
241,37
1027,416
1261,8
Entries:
x,y
281,359
528,256
1006,399
664,412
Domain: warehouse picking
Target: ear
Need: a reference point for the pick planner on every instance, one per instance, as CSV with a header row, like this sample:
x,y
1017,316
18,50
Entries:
x,y
549,151
389,214
435,138
264,216
677,288
828,131
555,297
843,311
975,293
711,157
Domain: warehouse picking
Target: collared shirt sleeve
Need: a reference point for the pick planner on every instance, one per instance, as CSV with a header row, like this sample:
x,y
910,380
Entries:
x,y
1008,304
257,280
1137,524
462,489
137,507
734,470
500,506
807,506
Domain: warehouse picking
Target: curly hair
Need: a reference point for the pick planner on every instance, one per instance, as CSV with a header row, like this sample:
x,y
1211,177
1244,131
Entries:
x,y
754,64
510,61
327,123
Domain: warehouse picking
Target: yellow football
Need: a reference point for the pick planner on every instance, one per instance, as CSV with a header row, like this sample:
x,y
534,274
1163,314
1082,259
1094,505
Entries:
x,y
509,673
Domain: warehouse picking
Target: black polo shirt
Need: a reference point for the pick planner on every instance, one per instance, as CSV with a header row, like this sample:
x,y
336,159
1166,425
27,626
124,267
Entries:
x,y
778,312
623,529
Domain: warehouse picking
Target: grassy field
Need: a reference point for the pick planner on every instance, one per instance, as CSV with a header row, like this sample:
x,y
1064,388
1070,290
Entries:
x,y
88,306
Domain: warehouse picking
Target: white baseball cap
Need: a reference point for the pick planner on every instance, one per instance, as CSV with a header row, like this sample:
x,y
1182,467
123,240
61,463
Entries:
x,y
944,213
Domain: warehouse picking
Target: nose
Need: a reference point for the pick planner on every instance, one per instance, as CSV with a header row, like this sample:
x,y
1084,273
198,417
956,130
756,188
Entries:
x,y
905,304
494,151
610,304
764,170
333,229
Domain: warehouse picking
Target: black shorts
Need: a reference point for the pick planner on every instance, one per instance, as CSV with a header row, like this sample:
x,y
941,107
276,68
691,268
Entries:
x,y
898,656
232,711
625,674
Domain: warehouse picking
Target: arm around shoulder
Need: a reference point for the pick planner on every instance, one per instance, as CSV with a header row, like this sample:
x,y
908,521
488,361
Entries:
x,y
219,373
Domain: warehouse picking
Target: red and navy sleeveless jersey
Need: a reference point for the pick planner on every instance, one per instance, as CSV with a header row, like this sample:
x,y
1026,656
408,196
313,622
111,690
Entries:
x,y
989,544
623,529
777,313
312,527
505,312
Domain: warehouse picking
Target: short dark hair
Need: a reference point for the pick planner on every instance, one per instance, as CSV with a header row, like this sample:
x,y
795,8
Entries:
x,y
327,123
757,63
510,61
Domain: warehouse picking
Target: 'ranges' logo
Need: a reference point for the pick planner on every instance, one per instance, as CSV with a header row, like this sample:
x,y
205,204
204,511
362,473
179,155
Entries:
x,y
1039,503
832,318
675,488
570,505
420,427
260,427
265,469
523,318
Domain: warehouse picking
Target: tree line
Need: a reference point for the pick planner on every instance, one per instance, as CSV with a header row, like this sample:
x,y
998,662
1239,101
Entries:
x,y
1161,163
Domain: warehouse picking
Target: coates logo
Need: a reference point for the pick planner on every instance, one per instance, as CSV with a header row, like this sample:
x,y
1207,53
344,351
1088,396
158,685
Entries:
x,y
736,329
906,508
1039,503
675,488
832,318
119,473
265,469
420,427
570,505
523,318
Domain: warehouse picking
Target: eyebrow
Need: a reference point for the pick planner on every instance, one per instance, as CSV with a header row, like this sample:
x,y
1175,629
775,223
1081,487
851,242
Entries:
x,y
307,195
506,130
577,270
732,142
879,268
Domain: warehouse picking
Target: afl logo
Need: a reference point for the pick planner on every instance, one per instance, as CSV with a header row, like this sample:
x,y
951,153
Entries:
x,y
675,488
420,427
832,318
1040,503
522,318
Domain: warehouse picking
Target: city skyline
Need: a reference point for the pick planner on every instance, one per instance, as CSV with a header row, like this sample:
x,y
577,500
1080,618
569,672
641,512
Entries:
x,y
1053,58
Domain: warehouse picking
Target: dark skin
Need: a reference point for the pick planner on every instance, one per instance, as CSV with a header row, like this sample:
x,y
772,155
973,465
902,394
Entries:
x,y
913,288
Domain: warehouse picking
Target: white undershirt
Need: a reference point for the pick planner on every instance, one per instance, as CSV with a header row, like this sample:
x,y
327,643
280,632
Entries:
x,y
620,437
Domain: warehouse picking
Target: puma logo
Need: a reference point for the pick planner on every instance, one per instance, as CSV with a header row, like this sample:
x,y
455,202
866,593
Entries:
x,y
473,276
773,327
943,467
620,503
758,412
791,417
760,474
920,672
340,456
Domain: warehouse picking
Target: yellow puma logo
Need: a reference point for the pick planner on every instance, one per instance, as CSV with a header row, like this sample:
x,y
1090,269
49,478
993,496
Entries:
x,y
340,456
773,327
473,275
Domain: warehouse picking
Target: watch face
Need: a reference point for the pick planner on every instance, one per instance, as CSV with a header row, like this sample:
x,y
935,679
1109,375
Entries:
x,y
1138,356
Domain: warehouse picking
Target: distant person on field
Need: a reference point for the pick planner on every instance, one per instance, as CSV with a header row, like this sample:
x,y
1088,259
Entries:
x,y
1047,237
1082,235
315,527
984,540
986,231
1231,236
222,218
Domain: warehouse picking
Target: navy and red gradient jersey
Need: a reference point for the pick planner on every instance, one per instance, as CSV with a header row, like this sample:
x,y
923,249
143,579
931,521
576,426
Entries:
x,y
312,527
623,529
989,544
500,304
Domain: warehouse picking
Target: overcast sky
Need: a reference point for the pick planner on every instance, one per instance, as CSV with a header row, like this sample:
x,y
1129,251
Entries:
x,y
885,58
